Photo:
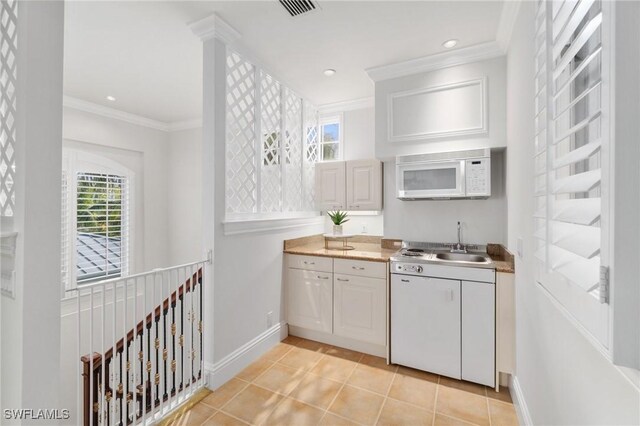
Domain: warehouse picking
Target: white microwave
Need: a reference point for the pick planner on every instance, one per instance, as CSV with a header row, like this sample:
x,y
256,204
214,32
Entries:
x,y
445,175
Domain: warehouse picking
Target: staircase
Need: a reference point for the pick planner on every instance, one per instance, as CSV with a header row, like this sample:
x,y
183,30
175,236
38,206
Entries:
x,y
158,363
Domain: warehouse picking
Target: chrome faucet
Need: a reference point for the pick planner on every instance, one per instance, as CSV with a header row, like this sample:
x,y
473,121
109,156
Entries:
x,y
459,248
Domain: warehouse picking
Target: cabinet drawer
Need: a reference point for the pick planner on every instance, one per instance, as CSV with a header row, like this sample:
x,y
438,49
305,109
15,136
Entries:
x,y
361,268
310,263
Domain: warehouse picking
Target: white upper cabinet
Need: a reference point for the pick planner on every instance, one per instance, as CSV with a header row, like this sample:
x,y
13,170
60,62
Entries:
x,y
364,185
349,185
330,186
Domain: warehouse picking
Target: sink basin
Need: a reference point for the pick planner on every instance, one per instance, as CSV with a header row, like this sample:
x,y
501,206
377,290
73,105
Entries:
x,y
462,257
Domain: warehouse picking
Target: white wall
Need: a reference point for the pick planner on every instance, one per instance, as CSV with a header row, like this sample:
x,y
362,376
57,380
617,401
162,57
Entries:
x,y
493,70
114,136
185,196
359,134
483,221
563,378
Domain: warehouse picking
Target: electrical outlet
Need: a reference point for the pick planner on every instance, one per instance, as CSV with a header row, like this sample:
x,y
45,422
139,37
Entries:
x,y
269,319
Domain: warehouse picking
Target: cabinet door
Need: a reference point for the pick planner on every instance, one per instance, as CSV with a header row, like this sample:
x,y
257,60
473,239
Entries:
x,y
310,297
478,332
360,308
330,186
425,324
364,185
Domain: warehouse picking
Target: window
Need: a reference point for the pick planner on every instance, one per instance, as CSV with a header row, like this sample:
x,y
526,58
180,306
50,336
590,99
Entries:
x,y
571,150
331,138
95,221
269,145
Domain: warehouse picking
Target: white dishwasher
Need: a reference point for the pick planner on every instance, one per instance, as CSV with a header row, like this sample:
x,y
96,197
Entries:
x,y
443,319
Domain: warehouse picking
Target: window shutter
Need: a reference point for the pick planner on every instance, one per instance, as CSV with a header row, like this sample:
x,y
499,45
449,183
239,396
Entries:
x,y
571,146
102,226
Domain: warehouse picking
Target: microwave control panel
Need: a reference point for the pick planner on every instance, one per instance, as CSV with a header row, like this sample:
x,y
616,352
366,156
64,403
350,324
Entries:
x,y
478,177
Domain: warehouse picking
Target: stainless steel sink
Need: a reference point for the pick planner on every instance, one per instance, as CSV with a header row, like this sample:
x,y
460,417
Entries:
x,y
462,257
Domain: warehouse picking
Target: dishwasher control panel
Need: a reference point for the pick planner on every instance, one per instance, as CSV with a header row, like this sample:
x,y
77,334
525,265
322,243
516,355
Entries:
x,y
407,268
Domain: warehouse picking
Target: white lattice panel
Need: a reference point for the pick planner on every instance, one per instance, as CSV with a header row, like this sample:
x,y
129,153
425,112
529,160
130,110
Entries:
x,y
270,123
293,151
8,82
241,168
310,128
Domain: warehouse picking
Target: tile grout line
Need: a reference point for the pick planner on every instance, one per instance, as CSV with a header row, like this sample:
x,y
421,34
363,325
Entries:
x,y
307,372
435,402
340,390
248,383
386,395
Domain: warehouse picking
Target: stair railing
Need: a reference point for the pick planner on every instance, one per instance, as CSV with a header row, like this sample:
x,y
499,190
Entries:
x,y
142,340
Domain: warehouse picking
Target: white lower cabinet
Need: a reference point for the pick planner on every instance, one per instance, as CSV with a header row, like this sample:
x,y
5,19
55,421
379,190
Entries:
x,y
359,308
347,306
310,303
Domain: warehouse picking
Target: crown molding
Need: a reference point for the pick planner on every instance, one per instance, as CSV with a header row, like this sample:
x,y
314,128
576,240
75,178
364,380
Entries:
x,y
116,114
507,22
127,117
346,105
465,55
185,125
213,26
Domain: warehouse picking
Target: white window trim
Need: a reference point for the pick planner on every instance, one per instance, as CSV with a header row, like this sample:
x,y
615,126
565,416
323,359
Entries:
x,y
331,119
74,161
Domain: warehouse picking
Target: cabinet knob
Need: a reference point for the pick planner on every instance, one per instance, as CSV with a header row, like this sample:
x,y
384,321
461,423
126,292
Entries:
x,y
322,278
309,263
342,279
357,268
404,281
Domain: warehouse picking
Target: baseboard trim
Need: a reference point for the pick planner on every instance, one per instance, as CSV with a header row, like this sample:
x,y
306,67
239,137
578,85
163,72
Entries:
x,y
524,417
228,367
342,342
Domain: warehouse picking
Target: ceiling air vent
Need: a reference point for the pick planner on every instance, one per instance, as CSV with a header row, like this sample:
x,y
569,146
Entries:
x,y
298,7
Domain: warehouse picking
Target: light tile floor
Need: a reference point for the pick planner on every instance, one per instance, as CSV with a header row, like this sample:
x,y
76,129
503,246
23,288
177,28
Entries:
x,y
302,382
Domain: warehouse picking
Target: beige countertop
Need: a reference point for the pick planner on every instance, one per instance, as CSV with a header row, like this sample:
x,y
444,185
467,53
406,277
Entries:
x,y
378,249
369,248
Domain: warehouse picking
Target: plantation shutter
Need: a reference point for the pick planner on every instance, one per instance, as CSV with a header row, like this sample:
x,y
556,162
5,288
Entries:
x,y
571,143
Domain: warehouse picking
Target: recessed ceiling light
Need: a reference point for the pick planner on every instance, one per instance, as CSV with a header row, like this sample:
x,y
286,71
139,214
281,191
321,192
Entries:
x,y
450,43
111,98
329,72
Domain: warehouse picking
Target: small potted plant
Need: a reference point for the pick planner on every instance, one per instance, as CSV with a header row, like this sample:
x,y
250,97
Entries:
x,y
338,218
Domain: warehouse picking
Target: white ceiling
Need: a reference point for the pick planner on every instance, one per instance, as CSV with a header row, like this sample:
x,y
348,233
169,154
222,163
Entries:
x,y
145,55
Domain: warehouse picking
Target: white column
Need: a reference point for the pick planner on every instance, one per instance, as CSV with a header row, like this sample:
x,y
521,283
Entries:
x,y
215,34
31,334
